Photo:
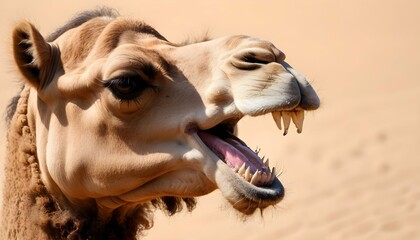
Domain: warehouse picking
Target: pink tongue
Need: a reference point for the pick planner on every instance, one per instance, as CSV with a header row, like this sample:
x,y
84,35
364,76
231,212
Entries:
x,y
234,153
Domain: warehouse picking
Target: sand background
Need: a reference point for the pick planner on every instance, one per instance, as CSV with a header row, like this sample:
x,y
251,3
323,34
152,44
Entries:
x,y
354,172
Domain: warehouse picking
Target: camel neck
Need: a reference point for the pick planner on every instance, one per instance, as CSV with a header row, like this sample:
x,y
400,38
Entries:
x,y
25,197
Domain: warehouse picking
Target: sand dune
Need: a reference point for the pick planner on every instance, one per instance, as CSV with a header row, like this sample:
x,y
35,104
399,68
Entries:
x,y
353,172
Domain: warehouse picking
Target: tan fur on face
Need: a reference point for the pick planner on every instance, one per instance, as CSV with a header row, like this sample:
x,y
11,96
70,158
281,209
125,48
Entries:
x,y
104,155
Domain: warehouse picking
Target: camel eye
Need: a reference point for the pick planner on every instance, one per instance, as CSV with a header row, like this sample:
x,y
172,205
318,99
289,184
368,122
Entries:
x,y
127,87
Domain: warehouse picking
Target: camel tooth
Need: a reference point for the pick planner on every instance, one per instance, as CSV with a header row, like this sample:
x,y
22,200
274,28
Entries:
x,y
277,119
264,178
267,163
294,118
242,169
256,178
248,175
286,121
297,118
268,180
273,174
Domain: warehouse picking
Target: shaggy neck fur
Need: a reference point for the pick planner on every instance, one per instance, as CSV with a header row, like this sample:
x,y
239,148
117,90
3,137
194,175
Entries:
x,y
31,212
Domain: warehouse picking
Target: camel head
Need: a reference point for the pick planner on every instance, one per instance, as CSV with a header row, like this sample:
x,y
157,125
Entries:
x,y
122,116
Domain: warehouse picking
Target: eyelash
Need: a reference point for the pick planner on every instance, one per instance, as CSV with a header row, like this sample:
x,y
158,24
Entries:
x,y
127,88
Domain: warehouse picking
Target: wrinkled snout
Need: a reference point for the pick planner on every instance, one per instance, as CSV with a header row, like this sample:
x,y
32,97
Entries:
x,y
263,82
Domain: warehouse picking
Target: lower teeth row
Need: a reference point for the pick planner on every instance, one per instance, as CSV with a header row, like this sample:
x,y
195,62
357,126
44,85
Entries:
x,y
258,178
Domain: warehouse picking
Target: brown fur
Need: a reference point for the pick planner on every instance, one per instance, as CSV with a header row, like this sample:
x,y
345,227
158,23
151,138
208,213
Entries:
x,y
82,18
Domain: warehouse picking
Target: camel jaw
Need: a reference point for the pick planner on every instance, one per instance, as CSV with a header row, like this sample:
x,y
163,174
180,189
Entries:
x,y
244,196
244,179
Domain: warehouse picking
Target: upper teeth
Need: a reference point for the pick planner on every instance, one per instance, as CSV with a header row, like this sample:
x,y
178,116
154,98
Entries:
x,y
296,116
263,177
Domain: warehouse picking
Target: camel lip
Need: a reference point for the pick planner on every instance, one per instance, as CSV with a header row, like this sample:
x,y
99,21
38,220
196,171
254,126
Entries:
x,y
244,196
273,192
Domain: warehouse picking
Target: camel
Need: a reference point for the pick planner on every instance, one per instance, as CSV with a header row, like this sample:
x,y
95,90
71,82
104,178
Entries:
x,y
114,121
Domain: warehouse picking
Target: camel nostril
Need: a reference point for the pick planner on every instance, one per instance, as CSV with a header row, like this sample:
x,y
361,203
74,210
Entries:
x,y
252,58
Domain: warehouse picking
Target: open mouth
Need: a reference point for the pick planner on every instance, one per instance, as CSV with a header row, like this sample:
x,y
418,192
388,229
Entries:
x,y
254,183
238,156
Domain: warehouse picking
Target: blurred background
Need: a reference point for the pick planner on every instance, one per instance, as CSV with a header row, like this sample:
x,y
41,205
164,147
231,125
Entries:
x,y
354,171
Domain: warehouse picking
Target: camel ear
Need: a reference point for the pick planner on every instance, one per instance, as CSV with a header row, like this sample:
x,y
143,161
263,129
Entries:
x,y
32,54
